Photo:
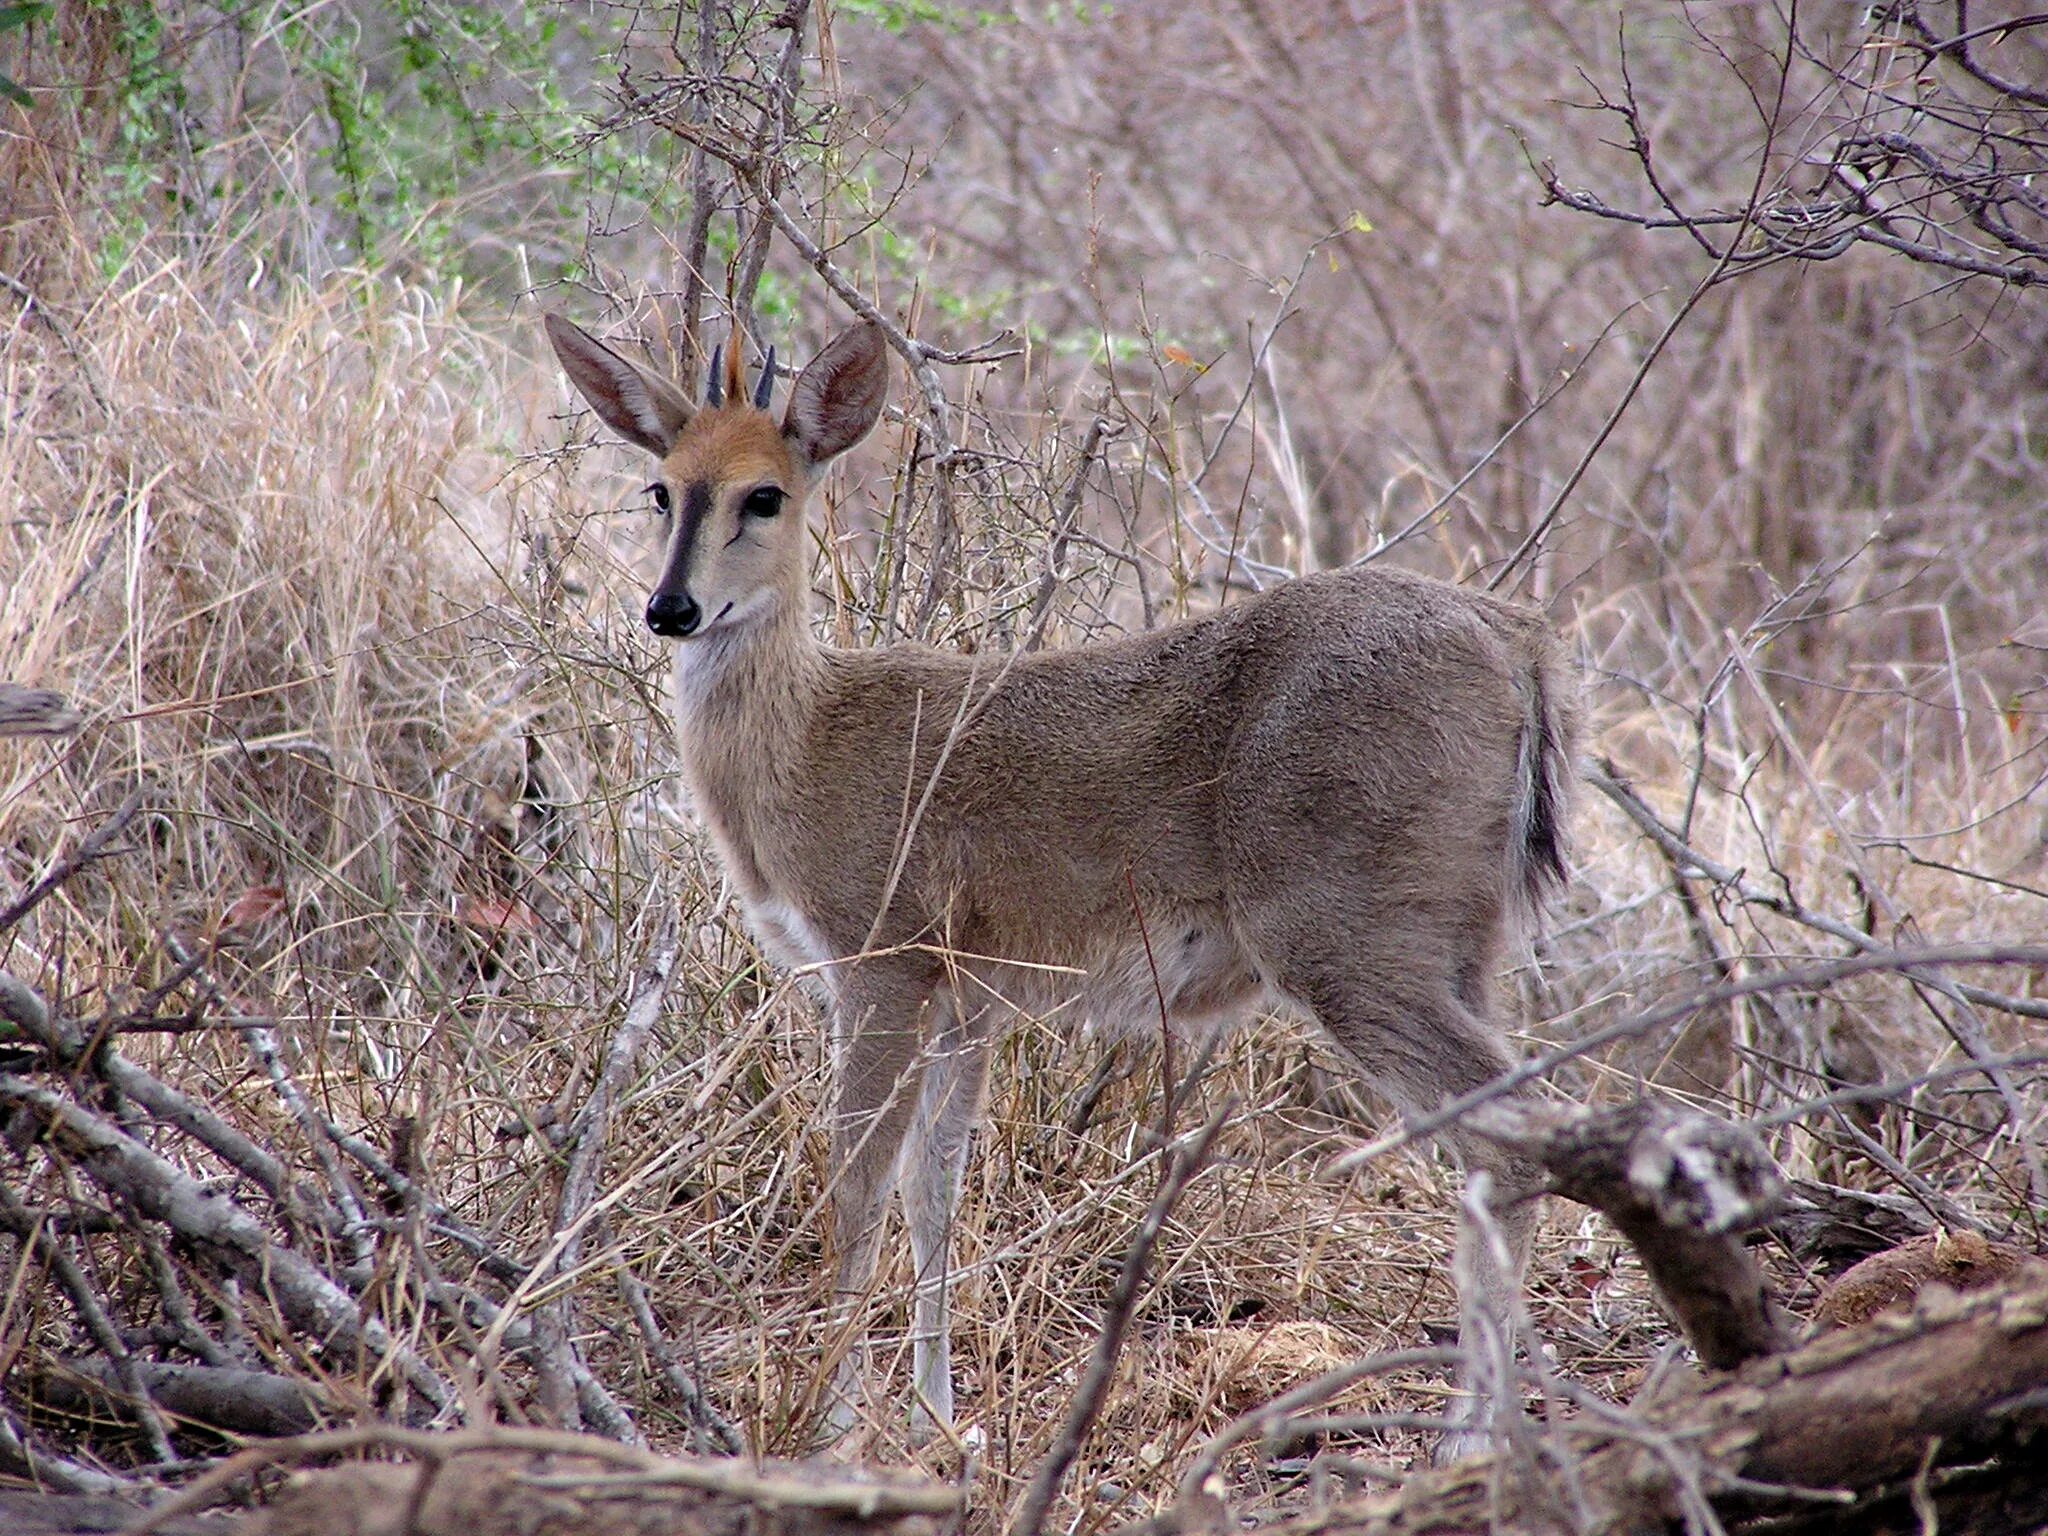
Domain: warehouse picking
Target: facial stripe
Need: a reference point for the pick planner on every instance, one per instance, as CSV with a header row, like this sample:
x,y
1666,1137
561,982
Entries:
x,y
690,516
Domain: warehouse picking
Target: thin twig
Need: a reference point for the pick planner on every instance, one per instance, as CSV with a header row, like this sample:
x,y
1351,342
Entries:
x,y
589,1135
33,305
1805,978
18,1219
1534,539
96,846
692,352
1688,862
771,144
1182,1165
706,1422
1063,517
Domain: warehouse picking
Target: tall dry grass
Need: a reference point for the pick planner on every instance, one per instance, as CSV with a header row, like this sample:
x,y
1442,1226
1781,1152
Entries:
x,y
368,647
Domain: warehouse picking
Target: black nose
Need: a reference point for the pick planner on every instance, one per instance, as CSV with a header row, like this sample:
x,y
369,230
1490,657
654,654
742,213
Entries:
x,y
673,615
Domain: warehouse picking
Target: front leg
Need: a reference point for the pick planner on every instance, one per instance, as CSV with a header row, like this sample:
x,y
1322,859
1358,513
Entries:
x,y
933,1164
879,1024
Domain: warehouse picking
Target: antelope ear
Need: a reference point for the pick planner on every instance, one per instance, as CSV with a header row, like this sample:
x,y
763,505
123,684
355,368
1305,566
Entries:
x,y
838,398
641,407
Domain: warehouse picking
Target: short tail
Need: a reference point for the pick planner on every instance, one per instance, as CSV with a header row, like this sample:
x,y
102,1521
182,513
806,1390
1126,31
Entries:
x,y
1545,771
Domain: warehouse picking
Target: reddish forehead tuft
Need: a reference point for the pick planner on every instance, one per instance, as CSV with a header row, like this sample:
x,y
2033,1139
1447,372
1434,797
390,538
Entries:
x,y
730,444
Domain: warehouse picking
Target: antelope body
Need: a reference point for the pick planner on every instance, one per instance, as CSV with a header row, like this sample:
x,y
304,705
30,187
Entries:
x,y
1337,793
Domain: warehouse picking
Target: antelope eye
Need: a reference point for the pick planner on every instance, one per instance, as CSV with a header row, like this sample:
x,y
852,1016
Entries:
x,y
765,502
660,495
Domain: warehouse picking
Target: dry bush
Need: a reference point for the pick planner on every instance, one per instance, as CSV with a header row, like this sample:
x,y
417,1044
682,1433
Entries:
x,y
369,651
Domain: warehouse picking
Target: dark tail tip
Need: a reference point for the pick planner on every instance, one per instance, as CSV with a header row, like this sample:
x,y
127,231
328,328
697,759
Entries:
x,y
1549,749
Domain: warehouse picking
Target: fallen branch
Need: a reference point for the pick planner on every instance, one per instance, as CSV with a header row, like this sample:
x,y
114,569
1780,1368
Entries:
x,y
67,1048
21,1457
124,1371
311,1301
1682,1187
1929,1410
240,1402
509,1482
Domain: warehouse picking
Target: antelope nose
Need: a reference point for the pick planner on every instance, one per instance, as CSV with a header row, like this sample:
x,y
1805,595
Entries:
x,y
673,615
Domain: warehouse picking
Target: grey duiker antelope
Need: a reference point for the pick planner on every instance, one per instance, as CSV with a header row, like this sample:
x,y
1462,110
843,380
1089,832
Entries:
x,y
1337,794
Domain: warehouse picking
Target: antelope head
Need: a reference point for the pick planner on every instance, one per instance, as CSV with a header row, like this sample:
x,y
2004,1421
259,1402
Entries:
x,y
732,481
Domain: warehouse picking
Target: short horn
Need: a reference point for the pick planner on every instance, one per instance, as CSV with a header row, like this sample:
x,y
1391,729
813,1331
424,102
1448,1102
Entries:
x,y
735,387
764,388
714,386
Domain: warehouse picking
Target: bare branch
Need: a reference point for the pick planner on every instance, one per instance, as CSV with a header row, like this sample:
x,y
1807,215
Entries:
x,y
1940,163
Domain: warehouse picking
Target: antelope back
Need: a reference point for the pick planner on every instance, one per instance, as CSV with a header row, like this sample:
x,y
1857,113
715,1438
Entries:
x,y
732,481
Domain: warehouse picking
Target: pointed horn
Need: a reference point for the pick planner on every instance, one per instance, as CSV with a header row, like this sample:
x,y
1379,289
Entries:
x,y
736,364
714,385
764,390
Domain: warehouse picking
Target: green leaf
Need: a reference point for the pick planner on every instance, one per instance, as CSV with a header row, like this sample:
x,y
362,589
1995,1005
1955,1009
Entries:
x,y
12,16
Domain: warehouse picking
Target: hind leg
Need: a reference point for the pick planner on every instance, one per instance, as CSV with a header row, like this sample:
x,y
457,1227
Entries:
x,y
1416,1038
1495,1251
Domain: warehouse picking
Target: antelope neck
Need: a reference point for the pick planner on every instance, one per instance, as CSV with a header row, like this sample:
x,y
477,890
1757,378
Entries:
x,y
743,695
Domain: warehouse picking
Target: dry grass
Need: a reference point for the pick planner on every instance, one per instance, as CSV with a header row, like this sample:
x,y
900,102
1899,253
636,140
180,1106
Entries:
x,y
371,657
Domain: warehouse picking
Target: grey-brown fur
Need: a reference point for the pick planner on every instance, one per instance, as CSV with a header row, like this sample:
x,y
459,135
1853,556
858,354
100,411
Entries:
x,y
1340,793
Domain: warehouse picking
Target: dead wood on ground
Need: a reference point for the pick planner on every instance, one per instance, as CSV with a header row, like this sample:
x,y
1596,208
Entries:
x,y
1927,1418
1941,1409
